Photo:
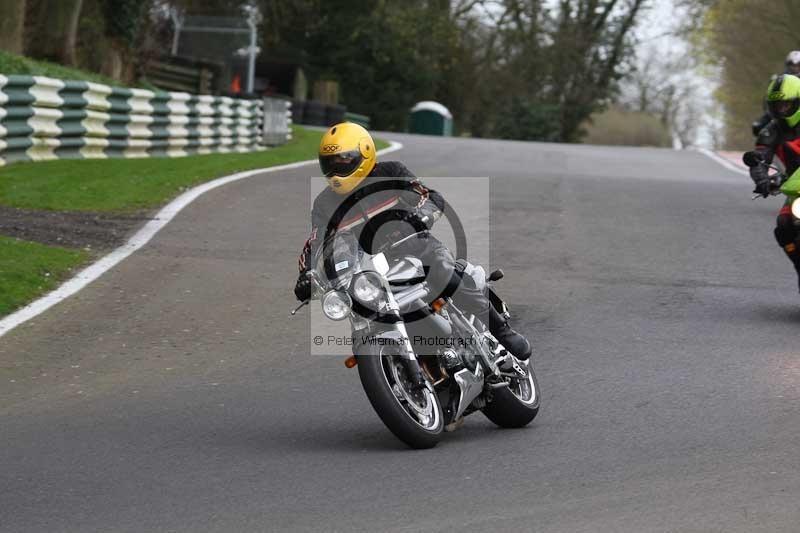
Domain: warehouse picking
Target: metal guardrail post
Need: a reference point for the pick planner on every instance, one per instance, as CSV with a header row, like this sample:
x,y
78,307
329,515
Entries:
x,y
277,121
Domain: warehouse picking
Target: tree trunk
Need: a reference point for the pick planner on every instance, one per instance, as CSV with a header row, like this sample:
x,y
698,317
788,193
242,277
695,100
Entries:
x,y
55,27
12,21
113,61
71,37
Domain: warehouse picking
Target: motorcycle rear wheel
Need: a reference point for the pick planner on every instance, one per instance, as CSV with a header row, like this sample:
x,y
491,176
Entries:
x,y
517,404
415,417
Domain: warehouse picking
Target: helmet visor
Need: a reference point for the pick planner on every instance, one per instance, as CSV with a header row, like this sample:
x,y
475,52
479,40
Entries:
x,y
784,108
342,164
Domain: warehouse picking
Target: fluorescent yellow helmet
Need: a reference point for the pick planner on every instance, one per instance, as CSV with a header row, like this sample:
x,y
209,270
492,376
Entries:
x,y
783,99
346,156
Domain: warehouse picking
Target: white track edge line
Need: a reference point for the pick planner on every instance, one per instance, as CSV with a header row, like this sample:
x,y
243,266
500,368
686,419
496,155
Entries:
x,y
139,239
722,161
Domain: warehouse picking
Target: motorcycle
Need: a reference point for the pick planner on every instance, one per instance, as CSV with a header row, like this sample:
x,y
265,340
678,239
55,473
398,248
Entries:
x,y
420,388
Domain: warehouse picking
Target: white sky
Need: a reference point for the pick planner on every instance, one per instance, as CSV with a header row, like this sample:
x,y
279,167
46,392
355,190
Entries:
x,y
655,31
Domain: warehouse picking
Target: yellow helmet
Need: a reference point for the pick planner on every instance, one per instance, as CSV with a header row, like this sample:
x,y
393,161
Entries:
x,y
346,156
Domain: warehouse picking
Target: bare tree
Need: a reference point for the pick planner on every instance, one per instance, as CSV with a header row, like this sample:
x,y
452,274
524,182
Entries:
x,y
54,30
12,23
667,85
71,33
566,56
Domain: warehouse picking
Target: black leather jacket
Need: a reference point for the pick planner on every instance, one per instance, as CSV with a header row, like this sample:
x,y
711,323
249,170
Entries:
x,y
778,139
390,189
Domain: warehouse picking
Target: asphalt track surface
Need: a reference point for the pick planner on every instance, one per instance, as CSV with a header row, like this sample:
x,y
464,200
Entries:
x,y
174,394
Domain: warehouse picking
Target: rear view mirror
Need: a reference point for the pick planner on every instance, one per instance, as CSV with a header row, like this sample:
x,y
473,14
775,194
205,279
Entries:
x,y
496,275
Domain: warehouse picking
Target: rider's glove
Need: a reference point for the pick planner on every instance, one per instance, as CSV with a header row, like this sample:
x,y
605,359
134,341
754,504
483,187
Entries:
x,y
763,188
302,288
760,175
753,158
416,219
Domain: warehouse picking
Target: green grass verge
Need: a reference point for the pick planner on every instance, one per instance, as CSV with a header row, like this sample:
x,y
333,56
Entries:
x,y
14,64
28,270
127,185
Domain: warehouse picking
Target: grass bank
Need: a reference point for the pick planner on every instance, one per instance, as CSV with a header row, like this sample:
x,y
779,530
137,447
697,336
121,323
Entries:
x,y
29,269
128,185
116,186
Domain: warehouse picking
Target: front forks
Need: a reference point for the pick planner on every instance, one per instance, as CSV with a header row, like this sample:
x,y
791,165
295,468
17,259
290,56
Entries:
x,y
406,350
398,339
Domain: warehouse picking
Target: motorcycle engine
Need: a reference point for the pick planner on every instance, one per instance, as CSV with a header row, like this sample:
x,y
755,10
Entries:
x,y
450,359
455,359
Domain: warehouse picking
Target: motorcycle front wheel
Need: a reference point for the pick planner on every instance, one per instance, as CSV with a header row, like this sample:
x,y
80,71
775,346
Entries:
x,y
414,416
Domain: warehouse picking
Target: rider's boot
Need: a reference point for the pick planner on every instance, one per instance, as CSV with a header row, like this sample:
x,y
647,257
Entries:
x,y
513,341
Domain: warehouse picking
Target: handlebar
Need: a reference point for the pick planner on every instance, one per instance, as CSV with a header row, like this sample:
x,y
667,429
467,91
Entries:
x,y
775,181
296,309
311,275
404,239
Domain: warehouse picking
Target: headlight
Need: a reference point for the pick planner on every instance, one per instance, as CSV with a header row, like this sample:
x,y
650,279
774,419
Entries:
x,y
336,305
367,287
796,208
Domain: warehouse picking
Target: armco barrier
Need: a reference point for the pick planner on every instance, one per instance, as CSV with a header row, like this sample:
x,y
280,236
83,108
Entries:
x,y
358,119
45,118
314,113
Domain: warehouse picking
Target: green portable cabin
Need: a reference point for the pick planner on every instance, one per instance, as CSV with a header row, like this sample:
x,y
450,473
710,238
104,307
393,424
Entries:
x,y
430,118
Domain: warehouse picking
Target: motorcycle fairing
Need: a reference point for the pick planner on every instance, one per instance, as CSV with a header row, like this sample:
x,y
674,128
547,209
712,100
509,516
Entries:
x,y
407,271
791,187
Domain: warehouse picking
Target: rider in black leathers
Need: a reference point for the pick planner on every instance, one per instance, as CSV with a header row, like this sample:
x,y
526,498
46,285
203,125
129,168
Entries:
x,y
411,207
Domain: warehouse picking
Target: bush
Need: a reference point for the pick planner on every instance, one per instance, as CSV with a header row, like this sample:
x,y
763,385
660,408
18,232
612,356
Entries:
x,y
626,128
14,64
528,121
